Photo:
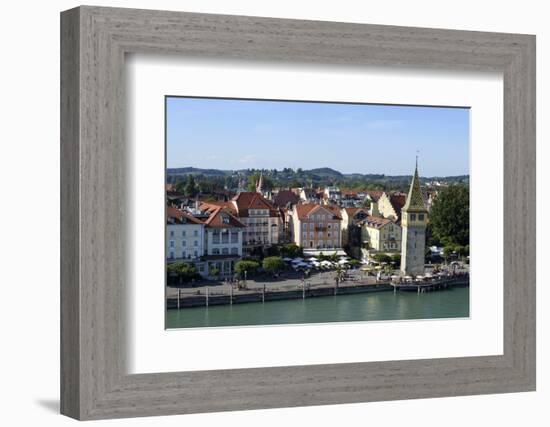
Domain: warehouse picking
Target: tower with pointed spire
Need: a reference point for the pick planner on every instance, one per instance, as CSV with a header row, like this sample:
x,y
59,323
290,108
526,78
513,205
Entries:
x,y
260,184
414,218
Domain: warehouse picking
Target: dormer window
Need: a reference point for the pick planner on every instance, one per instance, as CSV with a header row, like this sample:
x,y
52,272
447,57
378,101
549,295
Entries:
x,y
225,219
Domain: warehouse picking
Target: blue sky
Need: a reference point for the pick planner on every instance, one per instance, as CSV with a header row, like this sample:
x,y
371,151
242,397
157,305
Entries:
x,y
240,134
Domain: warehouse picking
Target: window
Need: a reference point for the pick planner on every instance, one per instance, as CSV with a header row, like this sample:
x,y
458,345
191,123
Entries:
x,y
171,255
336,226
234,237
196,243
183,233
311,234
225,251
183,254
304,226
196,254
225,219
311,226
215,251
329,226
171,243
171,233
235,251
304,235
413,217
195,233
421,217
184,242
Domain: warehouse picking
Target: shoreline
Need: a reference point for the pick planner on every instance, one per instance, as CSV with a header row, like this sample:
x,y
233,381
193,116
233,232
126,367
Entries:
x,y
322,291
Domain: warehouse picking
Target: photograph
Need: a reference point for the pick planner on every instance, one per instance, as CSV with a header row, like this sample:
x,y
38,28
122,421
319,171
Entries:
x,y
293,212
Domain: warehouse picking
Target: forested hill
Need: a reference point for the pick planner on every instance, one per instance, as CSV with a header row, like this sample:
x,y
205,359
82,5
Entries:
x,y
288,177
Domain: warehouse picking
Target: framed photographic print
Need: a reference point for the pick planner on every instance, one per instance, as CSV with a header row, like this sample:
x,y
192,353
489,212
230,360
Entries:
x,y
262,213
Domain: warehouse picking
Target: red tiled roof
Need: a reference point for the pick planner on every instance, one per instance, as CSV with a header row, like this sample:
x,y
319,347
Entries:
x,y
251,200
284,197
306,209
178,215
216,219
353,211
212,206
398,201
374,194
376,221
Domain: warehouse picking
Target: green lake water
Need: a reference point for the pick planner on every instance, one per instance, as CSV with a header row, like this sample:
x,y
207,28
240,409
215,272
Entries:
x,y
449,303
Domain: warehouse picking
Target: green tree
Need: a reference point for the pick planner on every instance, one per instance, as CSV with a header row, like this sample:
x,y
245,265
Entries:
x,y
267,182
273,250
448,250
190,189
214,272
273,264
339,274
396,259
354,263
251,267
183,272
292,250
382,258
450,216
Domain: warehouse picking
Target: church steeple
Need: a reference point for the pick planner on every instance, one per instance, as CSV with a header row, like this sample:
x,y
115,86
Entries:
x,y
415,201
260,184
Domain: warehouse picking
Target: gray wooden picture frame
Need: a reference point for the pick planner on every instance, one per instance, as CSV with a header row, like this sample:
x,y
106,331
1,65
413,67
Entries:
x,y
94,381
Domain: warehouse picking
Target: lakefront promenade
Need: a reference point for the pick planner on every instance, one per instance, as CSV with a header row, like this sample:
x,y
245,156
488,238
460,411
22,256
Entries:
x,y
298,287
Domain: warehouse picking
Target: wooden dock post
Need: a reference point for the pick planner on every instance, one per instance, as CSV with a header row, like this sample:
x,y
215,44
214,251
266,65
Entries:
x,y
230,294
263,293
418,288
304,289
179,297
207,296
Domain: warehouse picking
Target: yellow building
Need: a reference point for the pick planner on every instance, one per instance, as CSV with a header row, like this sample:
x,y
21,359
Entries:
x,y
380,235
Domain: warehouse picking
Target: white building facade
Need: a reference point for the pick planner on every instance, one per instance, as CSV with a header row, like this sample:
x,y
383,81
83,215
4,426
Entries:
x,y
184,236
